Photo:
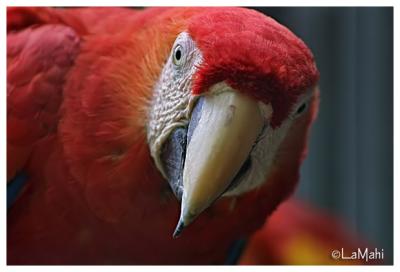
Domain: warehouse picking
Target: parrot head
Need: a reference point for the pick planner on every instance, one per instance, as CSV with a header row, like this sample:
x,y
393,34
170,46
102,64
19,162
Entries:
x,y
216,101
232,91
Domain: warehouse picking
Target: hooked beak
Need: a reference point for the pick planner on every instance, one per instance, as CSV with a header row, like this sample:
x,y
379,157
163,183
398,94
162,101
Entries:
x,y
220,139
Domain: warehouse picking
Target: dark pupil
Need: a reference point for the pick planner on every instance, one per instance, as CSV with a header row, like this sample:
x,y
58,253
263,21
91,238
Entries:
x,y
178,54
301,108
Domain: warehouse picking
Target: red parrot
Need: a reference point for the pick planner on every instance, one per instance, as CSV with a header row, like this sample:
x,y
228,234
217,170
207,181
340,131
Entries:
x,y
126,121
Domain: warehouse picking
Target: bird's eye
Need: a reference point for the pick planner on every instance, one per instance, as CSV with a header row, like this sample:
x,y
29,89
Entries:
x,y
301,108
177,57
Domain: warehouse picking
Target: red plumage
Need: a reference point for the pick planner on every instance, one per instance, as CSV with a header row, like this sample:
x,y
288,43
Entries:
x,y
254,54
79,86
299,234
37,63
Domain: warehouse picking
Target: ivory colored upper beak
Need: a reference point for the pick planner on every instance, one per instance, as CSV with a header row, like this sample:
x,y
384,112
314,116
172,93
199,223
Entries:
x,y
227,128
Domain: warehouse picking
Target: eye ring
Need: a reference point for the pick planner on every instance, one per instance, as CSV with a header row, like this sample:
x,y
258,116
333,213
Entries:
x,y
178,55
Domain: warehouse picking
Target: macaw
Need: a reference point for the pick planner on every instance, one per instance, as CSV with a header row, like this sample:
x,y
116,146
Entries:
x,y
124,122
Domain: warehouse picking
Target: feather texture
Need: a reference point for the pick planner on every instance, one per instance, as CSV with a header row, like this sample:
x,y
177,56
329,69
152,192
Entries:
x,y
79,89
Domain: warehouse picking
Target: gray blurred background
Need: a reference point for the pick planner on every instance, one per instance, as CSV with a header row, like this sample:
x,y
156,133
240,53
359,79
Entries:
x,y
349,168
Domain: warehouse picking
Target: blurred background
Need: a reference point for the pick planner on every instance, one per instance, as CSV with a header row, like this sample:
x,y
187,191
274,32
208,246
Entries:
x,y
349,168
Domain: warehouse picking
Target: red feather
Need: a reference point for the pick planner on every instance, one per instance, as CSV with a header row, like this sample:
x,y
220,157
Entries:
x,y
254,54
79,88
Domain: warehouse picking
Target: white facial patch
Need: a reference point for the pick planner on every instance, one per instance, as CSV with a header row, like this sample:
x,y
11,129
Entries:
x,y
264,152
172,105
173,101
262,157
